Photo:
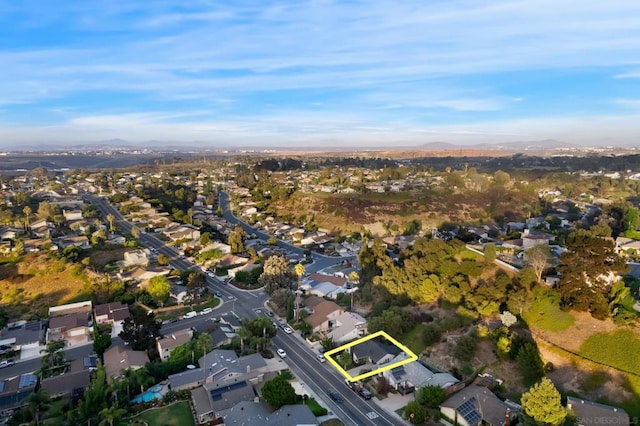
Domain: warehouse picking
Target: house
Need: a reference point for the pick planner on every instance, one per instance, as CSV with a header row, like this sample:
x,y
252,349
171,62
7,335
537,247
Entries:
x,y
323,316
172,341
183,232
231,320
70,323
139,257
408,377
589,413
75,241
250,412
70,215
476,405
213,398
24,337
72,384
113,314
322,285
348,326
119,358
373,351
530,239
14,391
628,245
221,365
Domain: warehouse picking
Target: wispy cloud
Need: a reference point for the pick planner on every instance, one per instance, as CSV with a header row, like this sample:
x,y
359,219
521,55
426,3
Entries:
x,y
411,62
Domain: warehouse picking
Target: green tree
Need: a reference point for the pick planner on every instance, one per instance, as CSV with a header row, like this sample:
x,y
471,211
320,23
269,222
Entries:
x,y
140,329
587,268
276,275
395,321
53,357
630,222
159,288
111,218
530,364
465,349
490,252
278,392
205,239
431,396
415,413
539,259
101,342
163,260
542,403
135,232
110,415
236,240
27,217
37,401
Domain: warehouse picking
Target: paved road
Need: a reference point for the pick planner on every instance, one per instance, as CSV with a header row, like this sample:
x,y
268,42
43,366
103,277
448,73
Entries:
x,y
319,376
320,261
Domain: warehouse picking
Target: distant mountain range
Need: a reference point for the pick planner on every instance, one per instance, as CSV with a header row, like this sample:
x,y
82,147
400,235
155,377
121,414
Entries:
x,y
199,146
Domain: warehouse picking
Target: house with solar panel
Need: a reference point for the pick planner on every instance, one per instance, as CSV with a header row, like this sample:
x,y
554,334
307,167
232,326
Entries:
x,y
14,391
409,377
477,405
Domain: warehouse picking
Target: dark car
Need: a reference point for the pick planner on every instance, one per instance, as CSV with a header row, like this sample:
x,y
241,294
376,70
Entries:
x,y
335,396
365,393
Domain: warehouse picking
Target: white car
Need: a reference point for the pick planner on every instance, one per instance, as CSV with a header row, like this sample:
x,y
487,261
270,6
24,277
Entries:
x,y
206,311
321,358
281,353
191,314
287,330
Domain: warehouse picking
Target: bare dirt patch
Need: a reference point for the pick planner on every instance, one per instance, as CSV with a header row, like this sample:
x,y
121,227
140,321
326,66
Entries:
x,y
35,283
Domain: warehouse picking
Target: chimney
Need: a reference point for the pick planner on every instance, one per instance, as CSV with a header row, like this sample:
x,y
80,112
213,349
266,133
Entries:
x,y
507,417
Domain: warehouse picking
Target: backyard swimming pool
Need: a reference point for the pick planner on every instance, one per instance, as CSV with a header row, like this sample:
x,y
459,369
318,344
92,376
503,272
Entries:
x,y
151,394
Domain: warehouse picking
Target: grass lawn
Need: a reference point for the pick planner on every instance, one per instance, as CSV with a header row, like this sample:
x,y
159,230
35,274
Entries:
x,y
178,414
624,357
413,339
315,408
546,314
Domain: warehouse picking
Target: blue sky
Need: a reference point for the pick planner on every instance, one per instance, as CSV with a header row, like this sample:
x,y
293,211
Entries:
x,y
319,72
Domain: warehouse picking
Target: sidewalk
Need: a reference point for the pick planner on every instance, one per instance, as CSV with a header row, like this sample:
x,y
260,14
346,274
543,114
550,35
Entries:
x,y
394,402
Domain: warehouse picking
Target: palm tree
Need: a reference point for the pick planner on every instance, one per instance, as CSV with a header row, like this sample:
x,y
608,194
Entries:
x,y
111,414
27,214
53,355
111,218
299,270
37,400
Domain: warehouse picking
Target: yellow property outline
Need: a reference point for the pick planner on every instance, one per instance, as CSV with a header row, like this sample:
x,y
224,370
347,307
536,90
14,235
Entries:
x,y
412,356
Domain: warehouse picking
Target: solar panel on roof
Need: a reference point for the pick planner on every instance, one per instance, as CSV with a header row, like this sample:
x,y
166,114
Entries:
x,y
469,412
216,394
27,380
2,386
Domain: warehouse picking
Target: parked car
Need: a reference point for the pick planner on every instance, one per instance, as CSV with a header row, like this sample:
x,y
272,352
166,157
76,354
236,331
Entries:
x,y
335,396
191,314
365,393
206,311
287,329
6,363
269,313
281,353
217,294
321,358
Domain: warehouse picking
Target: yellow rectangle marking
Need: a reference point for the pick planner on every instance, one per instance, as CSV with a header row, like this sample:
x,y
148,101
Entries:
x,y
412,356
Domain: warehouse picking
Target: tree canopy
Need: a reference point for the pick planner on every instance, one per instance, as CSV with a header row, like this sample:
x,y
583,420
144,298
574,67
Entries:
x,y
588,269
140,329
159,288
276,275
278,392
542,404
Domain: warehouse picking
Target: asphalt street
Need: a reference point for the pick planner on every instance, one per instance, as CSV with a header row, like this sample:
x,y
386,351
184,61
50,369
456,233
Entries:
x,y
320,377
